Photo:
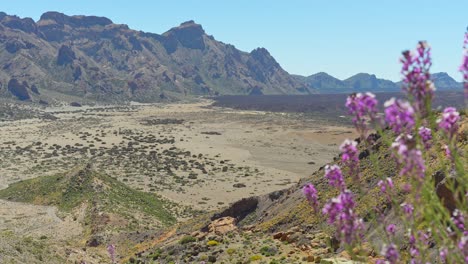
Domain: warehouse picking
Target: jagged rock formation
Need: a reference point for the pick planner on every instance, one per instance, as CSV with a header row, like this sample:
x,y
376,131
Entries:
x,y
92,58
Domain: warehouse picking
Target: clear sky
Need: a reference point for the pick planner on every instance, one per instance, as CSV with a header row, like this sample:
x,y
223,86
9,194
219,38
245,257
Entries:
x,y
341,38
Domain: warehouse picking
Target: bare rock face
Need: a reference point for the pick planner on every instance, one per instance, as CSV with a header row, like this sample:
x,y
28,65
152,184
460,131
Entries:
x,y
222,225
23,24
20,90
188,34
65,55
239,210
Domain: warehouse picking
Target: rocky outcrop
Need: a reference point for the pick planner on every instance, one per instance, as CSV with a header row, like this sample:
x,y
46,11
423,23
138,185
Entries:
x,y
20,90
239,209
65,55
188,34
23,24
222,225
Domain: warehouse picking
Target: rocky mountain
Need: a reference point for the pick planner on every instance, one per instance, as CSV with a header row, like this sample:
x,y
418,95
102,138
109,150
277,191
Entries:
x,y
324,83
91,58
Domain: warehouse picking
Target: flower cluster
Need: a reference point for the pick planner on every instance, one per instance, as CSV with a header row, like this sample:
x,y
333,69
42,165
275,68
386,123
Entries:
x,y
413,125
364,108
409,157
311,194
399,115
464,65
426,136
350,156
416,76
458,220
340,211
386,186
111,251
335,176
391,254
448,122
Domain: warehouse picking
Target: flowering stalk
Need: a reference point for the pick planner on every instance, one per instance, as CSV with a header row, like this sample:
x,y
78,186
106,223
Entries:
x,y
111,251
340,211
399,115
464,65
364,109
350,157
417,79
335,176
311,195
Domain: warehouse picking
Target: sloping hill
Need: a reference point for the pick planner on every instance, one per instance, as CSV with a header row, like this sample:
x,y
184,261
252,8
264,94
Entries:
x,y
100,202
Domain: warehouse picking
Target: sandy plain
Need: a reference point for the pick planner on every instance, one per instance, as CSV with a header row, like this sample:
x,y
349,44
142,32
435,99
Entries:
x,y
198,156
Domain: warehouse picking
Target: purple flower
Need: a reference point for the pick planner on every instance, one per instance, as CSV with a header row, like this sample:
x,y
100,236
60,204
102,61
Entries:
x,y
463,247
399,115
350,151
443,255
335,176
364,108
340,211
350,156
448,153
458,220
390,252
448,122
391,229
385,185
416,76
464,65
426,136
311,194
410,159
407,209
111,251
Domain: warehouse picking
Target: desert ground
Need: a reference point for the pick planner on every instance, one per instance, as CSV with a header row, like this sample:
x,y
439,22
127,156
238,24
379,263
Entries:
x,y
194,155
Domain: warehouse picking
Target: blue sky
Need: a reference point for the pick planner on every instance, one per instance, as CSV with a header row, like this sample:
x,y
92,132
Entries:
x,y
341,38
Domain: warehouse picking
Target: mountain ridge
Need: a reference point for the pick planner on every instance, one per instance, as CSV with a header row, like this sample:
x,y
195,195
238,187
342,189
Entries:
x,y
90,58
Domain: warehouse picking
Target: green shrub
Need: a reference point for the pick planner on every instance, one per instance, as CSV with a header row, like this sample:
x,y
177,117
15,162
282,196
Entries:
x,y
212,243
187,239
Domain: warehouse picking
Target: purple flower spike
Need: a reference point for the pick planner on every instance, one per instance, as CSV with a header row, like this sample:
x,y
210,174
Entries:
x,y
391,229
459,220
464,65
340,211
311,195
350,156
426,136
443,255
416,76
448,122
335,176
385,186
410,159
390,253
364,108
399,115
111,251
463,247
407,209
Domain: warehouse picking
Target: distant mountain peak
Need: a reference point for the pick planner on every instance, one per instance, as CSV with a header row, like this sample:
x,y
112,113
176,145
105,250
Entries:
x,y
78,21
